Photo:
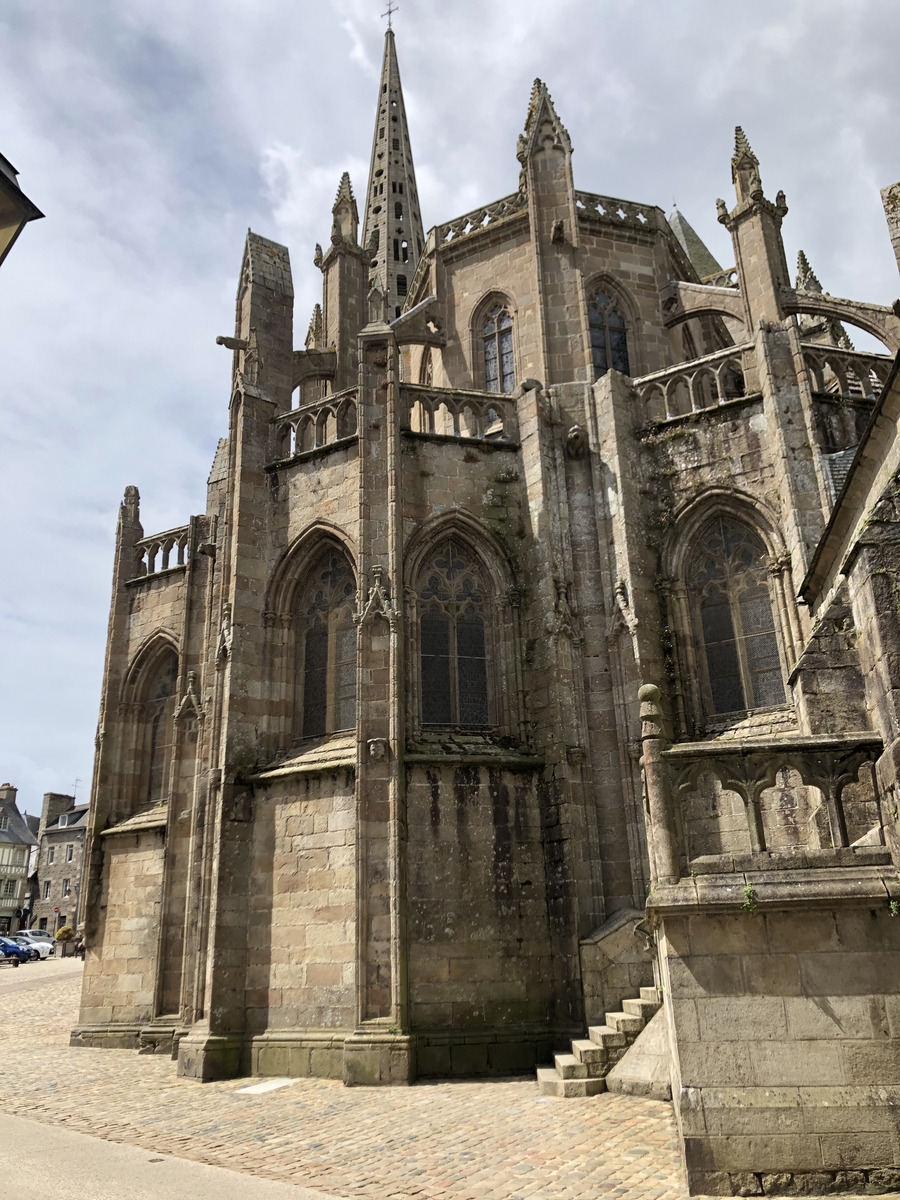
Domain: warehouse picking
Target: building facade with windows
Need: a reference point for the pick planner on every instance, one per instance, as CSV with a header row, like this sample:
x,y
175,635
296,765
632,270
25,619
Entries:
x,y
61,837
368,798
16,846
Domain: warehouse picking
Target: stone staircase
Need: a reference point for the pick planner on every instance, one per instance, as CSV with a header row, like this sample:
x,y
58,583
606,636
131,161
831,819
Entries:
x,y
584,1071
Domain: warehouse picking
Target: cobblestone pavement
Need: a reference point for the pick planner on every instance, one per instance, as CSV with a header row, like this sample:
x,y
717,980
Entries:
x,y
495,1140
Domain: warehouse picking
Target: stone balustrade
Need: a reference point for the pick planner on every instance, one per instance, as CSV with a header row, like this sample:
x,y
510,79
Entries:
x,y
727,278
696,385
617,212
449,412
315,425
481,218
844,373
162,552
723,805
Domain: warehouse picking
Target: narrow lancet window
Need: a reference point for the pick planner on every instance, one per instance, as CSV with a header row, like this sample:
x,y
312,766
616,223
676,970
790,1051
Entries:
x,y
499,365
453,649
326,648
730,583
609,341
159,720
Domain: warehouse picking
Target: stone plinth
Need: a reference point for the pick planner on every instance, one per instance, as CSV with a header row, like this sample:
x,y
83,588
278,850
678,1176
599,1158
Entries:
x,y
783,999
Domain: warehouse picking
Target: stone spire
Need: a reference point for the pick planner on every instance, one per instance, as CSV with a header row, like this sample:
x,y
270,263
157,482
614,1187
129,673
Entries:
x,y
392,225
701,258
806,276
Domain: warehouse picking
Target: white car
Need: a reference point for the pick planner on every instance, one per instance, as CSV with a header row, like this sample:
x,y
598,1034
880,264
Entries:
x,y
31,938
39,948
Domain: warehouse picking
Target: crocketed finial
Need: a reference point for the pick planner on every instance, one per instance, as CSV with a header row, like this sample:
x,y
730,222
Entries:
x,y
806,276
742,148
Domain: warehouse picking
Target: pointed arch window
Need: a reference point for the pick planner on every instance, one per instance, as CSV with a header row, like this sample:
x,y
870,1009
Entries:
x,y
730,585
326,648
609,339
497,342
454,634
159,724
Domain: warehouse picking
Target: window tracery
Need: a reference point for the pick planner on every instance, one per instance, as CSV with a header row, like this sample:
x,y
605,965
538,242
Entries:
x,y
326,648
734,619
159,723
497,348
453,600
609,339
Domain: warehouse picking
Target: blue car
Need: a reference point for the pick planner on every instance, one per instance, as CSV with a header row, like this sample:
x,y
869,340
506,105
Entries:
x,y
13,953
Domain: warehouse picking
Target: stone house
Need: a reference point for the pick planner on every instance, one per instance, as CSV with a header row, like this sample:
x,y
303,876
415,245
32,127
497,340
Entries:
x,y
61,839
16,843
546,594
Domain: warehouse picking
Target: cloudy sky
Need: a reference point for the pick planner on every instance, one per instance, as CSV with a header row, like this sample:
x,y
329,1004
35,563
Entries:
x,y
153,135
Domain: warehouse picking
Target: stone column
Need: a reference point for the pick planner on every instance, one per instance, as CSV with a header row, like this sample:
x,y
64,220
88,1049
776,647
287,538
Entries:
x,y
665,851
380,1050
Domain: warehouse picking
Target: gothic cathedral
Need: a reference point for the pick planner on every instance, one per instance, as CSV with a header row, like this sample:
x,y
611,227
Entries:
x,y
517,638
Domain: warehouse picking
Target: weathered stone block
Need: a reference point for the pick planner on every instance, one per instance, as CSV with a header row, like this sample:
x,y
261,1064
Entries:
x,y
797,1063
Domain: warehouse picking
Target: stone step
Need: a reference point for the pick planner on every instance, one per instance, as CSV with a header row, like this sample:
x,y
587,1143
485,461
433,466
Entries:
x,y
551,1083
641,1008
587,1051
606,1036
625,1023
651,993
570,1067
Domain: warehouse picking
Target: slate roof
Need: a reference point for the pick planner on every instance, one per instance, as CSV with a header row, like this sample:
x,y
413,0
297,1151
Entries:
x,y
77,819
839,467
17,833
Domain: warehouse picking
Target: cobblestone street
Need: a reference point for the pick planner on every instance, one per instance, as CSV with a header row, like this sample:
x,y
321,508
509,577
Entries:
x,y
472,1140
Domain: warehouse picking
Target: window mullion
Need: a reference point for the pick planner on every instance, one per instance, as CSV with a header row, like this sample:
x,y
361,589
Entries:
x,y
454,666
740,642
330,671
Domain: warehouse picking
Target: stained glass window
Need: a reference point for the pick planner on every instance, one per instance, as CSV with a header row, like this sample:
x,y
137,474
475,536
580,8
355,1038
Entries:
x,y
326,647
499,367
453,609
609,341
730,582
159,710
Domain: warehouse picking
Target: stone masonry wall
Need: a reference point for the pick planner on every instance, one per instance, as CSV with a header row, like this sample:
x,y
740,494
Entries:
x,y
302,932
479,938
119,987
56,873
787,1027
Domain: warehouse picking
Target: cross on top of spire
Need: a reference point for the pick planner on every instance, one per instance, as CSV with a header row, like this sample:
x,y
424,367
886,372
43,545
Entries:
x,y
391,9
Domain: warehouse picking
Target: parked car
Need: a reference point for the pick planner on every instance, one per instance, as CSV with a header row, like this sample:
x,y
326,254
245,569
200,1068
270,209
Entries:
x,y
38,942
45,935
37,949
26,944
11,950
